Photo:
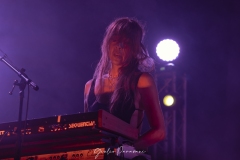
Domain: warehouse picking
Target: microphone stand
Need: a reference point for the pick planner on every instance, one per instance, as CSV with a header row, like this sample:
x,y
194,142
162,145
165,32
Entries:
x,y
24,81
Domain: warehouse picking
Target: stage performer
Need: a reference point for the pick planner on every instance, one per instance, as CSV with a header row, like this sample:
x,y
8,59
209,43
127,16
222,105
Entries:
x,y
123,82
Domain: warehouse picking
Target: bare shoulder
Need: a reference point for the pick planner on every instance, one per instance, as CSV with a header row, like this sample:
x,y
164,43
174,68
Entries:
x,y
145,80
88,83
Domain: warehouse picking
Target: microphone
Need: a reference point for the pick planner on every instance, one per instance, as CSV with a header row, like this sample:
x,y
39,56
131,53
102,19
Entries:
x,y
34,86
29,81
21,74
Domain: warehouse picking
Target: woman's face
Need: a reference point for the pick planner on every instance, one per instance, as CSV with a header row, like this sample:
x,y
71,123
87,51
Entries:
x,y
119,50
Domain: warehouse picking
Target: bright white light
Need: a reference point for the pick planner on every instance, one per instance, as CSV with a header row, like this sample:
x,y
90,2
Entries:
x,y
167,50
168,100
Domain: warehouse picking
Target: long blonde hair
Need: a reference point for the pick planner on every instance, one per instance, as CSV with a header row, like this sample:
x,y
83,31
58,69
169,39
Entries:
x,y
131,29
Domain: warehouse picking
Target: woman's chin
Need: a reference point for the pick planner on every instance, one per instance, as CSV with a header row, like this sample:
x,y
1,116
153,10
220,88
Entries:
x,y
117,62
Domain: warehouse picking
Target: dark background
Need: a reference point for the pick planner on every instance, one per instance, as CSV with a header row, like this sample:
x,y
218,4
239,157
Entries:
x,y
58,43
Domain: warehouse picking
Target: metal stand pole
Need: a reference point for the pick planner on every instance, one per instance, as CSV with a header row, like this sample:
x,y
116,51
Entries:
x,y
24,81
22,86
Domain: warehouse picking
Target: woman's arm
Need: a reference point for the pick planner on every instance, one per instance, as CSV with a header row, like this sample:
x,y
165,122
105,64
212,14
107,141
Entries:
x,y
86,92
149,102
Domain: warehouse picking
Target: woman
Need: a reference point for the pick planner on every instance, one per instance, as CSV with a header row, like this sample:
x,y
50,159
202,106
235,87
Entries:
x,y
122,83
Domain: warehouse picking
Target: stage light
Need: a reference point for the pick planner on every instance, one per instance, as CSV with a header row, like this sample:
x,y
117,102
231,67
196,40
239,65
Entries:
x,y
169,100
167,50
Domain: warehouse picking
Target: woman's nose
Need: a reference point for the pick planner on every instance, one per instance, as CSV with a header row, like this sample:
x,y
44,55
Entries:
x,y
120,45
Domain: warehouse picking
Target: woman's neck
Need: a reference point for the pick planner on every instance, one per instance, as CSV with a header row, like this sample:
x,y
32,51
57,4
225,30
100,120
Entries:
x,y
114,71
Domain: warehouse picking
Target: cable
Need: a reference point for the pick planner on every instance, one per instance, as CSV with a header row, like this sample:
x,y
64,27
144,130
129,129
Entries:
x,y
25,121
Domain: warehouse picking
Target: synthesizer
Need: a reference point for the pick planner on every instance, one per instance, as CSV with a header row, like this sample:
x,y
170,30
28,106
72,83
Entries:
x,y
65,133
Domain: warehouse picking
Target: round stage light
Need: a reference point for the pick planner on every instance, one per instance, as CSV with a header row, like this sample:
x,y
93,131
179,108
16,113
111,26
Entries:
x,y
169,100
167,50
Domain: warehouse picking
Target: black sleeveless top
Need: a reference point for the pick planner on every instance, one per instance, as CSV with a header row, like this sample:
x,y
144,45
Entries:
x,y
124,114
